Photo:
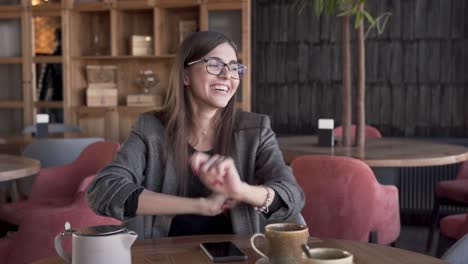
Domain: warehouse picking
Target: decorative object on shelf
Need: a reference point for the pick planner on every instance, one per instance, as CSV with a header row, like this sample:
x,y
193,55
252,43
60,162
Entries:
x,y
102,85
141,45
143,100
99,45
147,79
101,75
186,27
44,2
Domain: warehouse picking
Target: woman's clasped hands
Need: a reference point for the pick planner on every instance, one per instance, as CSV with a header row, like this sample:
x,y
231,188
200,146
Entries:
x,y
219,174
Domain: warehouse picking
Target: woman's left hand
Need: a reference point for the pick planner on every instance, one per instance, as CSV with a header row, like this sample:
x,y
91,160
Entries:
x,y
218,173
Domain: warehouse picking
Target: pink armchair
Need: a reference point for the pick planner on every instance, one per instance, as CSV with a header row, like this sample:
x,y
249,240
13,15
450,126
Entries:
x,y
369,131
452,192
454,226
35,237
345,201
56,186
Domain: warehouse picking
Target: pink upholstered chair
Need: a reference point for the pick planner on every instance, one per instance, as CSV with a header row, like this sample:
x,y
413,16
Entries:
x,y
370,132
35,237
454,226
452,192
345,201
56,186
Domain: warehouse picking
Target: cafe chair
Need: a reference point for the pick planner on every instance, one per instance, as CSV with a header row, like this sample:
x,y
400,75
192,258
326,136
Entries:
x,y
345,201
451,192
57,151
452,228
35,237
56,186
457,253
53,152
53,128
369,132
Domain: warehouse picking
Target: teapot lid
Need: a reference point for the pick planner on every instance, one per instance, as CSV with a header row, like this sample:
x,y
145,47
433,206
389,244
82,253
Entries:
x,y
102,230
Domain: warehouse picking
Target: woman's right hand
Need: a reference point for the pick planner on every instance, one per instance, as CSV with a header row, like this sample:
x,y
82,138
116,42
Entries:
x,y
212,205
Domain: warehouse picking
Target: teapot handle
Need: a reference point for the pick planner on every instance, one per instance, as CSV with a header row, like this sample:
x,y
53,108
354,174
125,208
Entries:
x,y
58,246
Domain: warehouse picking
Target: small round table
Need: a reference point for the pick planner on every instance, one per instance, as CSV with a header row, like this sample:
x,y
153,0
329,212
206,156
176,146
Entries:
x,y
187,250
13,168
382,152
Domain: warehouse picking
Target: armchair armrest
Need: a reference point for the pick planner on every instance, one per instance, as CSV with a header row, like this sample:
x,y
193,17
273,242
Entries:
x,y
48,181
39,228
387,214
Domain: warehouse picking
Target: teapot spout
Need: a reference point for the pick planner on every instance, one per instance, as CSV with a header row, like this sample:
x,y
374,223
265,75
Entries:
x,y
129,238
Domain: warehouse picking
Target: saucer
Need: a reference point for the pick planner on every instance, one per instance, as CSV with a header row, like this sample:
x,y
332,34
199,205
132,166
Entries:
x,y
265,261
262,261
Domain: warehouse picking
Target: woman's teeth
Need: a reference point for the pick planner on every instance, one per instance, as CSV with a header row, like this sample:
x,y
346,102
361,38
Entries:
x,y
221,88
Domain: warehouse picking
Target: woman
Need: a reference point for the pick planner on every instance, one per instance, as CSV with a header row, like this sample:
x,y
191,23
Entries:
x,y
197,166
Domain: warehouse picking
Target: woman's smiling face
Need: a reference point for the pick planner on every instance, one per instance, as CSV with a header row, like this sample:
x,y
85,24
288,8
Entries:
x,y
208,90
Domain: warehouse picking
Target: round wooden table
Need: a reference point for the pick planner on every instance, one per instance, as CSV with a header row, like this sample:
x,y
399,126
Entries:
x,y
15,167
383,152
187,250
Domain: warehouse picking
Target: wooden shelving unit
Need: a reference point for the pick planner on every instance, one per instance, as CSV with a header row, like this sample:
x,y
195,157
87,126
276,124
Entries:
x,y
98,33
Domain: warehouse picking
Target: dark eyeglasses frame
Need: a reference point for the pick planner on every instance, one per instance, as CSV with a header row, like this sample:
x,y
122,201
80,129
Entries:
x,y
206,59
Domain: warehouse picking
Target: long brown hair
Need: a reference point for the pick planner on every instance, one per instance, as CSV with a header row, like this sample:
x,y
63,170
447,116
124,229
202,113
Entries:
x,y
177,113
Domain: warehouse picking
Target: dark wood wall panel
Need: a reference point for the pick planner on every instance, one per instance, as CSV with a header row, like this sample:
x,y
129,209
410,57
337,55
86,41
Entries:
x,y
417,70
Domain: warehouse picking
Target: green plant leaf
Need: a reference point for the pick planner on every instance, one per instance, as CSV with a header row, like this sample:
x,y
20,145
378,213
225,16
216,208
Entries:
x,y
357,20
318,7
330,6
345,13
386,17
369,17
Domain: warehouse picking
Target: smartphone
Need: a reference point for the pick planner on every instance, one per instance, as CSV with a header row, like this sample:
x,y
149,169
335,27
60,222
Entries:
x,y
225,251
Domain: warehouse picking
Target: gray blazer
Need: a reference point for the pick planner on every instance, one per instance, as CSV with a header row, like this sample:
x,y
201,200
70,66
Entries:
x,y
140,162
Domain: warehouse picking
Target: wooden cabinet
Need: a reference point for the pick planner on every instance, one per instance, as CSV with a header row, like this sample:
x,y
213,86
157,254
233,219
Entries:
x,y
99,33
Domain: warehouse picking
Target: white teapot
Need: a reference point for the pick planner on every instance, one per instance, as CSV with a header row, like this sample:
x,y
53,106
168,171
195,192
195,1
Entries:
x,y
97,244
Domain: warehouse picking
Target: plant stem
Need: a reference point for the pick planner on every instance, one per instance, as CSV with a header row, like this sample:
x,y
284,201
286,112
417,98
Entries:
x,y
346,92
360,101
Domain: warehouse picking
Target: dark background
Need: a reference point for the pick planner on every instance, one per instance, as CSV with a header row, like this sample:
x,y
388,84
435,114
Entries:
x,y
416,70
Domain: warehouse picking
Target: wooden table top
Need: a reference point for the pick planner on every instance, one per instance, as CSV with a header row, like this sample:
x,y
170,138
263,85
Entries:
x,y
383,152
187,250
14,145
15,167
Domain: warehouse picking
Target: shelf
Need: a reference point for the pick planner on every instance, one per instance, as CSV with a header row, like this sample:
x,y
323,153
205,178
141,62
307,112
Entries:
x,y
134,5
91,7
91,33
47,59
124,57
119,108
133,22
49,104
135,109
47,9
224,5
175,24
94,109
10,11
11,104
180,3
11,60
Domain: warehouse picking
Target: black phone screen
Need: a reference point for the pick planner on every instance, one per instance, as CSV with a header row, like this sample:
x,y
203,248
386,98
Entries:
x,y
223,251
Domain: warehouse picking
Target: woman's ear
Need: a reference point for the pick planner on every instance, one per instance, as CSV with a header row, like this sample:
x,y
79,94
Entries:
x,y
186,77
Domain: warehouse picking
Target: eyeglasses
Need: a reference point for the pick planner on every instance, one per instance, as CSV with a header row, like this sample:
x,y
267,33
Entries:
x,y
215,66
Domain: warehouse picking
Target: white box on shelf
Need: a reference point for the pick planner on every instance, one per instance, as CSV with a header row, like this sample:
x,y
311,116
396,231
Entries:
x,y
96,97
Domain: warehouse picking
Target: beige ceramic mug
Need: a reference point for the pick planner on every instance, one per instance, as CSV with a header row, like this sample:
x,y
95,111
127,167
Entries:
x,y
327,256
283,242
